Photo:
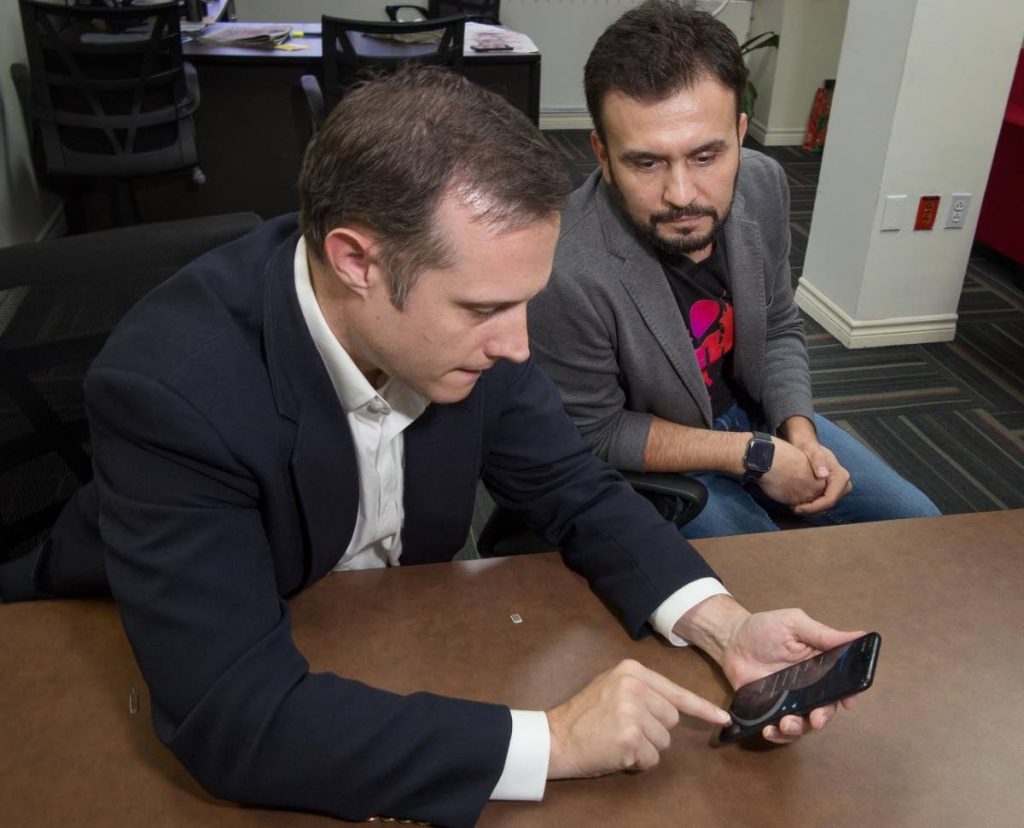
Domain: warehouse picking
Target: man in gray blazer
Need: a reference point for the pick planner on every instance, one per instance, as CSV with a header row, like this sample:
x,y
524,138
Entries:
x,y
669,323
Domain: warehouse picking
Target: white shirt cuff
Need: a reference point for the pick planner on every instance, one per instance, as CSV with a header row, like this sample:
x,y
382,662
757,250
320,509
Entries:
x,y
526,765
681,602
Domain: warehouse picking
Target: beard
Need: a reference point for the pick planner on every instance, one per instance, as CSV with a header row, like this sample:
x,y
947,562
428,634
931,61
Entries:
x,y
680,244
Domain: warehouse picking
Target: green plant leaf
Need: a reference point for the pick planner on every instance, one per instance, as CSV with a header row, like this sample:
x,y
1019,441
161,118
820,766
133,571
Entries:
x,y
765,40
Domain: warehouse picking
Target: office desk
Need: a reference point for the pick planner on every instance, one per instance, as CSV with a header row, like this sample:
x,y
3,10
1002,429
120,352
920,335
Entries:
x,y
514,75
936,741
253,124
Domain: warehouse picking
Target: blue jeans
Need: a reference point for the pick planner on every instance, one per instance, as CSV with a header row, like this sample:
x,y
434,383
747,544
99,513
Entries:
x,y
878,492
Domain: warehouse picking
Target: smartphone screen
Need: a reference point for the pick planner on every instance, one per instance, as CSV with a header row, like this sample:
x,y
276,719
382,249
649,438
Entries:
x,y
797,690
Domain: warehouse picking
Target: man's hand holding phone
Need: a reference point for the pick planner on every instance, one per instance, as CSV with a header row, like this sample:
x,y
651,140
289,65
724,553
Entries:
x,y
623,718
749,646
833,676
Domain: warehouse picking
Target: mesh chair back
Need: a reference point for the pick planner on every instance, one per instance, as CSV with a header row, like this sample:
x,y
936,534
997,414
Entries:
x,y
352,48
109,94
58,302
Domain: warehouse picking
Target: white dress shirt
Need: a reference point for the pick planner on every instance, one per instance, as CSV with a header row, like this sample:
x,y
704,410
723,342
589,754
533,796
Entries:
x,y
377,419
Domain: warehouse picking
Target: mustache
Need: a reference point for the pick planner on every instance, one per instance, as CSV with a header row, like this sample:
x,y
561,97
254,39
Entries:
x,y
689,211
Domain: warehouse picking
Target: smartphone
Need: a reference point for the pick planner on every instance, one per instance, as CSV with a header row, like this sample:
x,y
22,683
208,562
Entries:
x,y
797,690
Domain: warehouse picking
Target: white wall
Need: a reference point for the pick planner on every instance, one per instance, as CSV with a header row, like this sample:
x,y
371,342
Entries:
x,y
909,119
811,37
26,213
564,31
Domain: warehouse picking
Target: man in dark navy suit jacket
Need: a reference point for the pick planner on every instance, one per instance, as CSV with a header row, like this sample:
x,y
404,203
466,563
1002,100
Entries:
x,y
326,396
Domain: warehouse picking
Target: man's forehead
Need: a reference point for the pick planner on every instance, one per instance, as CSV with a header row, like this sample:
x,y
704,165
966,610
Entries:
x,y
707,102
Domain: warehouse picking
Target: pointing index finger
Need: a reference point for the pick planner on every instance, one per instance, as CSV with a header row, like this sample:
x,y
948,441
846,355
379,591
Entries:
x,y
685,701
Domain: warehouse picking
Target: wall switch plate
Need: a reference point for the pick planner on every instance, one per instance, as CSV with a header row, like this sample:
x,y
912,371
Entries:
x,y
892,212
958,205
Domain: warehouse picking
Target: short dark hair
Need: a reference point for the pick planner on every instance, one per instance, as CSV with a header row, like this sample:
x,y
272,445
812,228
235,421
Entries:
x,y
397,144
657,49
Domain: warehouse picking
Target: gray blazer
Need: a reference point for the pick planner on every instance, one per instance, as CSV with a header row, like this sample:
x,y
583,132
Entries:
x,y
609,332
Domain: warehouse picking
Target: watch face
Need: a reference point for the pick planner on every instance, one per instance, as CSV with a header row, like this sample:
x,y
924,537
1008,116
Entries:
x,y
760,454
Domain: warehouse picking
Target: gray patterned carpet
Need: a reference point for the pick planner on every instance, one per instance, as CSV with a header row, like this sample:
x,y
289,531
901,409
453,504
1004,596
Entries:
x,y
948,416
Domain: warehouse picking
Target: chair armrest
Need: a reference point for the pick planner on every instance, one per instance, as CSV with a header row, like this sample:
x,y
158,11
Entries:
x,y
192,86
22,79
677,498
314,101
23,88
664,489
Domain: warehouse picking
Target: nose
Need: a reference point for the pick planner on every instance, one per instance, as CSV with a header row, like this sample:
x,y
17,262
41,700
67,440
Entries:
x,y
680,190
510,339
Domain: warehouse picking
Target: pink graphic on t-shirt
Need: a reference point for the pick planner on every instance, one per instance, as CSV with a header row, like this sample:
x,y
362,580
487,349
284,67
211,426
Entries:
x,y
711,323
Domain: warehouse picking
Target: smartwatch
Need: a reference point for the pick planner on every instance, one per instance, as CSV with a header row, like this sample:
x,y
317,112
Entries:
x,y
759,456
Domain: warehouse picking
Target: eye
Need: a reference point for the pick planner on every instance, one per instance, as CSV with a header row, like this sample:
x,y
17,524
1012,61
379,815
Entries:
x,y
645,164
483,313
704,159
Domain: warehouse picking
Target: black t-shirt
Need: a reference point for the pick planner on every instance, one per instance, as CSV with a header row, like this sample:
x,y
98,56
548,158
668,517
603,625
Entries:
x,y
700,290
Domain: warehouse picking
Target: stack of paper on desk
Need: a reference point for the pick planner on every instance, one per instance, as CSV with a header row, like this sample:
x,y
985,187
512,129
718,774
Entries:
x,y
494,40
263,36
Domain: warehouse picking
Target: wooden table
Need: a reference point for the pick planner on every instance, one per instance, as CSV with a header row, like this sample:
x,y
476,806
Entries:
x,y
936,741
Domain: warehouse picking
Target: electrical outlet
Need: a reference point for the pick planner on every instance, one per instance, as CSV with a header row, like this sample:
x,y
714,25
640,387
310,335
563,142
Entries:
x,y
958,205
927,210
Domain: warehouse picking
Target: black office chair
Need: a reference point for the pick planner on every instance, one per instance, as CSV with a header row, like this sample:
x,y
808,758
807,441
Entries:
x,y
58,302
479,11
356,48
677,498
107,96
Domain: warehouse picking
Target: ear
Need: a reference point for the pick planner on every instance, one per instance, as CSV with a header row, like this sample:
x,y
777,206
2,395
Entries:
x,y
350,256
601,154
741,128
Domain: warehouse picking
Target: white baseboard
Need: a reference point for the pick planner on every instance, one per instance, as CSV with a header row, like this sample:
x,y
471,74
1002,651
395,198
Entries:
x,y
775,137
565,119
859,333
56,225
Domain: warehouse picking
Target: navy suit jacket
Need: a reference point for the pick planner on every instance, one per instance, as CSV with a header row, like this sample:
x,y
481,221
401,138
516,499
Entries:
x,y
226,483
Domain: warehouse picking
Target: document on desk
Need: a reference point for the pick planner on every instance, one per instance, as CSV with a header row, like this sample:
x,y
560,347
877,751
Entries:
x,y
484,39
265,36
